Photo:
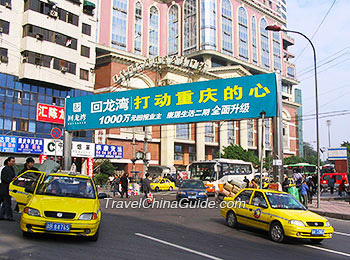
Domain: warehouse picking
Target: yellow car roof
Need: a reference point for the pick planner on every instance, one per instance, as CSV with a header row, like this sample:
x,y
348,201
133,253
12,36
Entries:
x,y
264,190
69,175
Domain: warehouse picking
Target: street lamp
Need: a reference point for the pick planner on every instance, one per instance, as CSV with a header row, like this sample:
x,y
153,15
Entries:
x,y
276,28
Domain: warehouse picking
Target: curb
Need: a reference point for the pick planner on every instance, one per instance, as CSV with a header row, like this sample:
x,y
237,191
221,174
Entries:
x,y
332,214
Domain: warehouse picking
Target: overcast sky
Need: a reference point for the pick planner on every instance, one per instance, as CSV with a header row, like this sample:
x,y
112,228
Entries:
x,y
332,41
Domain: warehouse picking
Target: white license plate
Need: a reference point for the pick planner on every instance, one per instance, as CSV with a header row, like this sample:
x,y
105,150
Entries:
x,y
59,227
317,232
192,197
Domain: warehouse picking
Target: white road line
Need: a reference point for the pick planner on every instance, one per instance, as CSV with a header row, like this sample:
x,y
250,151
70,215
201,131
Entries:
x,y
341,233
329,250
177,246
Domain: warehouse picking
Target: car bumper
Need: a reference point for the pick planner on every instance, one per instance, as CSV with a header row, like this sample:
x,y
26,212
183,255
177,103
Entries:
x,y
197,198
305,232
78,227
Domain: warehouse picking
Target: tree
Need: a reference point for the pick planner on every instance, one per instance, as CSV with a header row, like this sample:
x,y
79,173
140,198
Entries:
x,y
347,145
237,152
293,160
268,163
105,169
310,154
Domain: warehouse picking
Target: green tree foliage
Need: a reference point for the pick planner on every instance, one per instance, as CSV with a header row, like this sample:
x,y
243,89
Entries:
x,y
268,163
238,153
310,154
293,160
104,169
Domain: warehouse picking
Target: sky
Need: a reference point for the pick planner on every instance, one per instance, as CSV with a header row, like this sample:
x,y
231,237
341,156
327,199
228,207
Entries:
x,y
332,43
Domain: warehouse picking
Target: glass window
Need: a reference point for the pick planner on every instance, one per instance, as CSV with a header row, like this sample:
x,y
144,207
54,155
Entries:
x,y
190,26
259,200
178,149
276,51
85,51
227,46
2,79
10,81
84,74
254,41
1,123
138,28
250,132
192,153
5,26
208,24
32,112
7,124
243,33
86,29
183,131
119,23
244,196
153,32
173,30
31,127
209,132
231,132
25,111
265,46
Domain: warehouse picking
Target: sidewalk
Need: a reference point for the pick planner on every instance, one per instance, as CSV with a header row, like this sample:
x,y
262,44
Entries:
x,y
332,209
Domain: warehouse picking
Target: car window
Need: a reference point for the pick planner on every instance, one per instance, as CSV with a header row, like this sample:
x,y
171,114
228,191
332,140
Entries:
x,y
326,177
167,181
339,177
162,181
259,200
190,184
27,180
244,196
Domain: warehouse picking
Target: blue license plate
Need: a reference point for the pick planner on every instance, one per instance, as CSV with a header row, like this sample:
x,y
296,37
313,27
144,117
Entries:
x,y
317,232
192,197
59,227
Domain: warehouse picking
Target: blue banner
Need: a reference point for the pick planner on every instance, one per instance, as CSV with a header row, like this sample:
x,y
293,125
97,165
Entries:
x,y
30,145
8,144
108,151
222,99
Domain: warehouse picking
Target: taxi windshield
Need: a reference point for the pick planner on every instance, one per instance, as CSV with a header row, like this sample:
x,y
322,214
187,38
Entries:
x,y
62,186
283,201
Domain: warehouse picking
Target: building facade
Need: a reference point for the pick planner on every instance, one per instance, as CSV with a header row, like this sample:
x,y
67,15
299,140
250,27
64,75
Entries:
x,y
47,52
229,36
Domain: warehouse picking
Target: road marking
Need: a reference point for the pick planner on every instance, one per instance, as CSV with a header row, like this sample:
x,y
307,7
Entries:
x,y
328,250
177,246
340,233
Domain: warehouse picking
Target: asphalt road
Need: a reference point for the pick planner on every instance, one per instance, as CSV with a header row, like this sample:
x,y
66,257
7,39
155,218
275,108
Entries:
x,y
169,234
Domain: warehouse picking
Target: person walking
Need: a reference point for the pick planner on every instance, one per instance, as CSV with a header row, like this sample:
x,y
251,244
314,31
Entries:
x,y
124,183
341,188
115,185
310,193
303,191
146,185
7,175
29,165
331,183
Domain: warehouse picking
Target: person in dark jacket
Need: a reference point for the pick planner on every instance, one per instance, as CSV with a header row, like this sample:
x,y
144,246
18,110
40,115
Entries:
x,y
146,185
7,175
115,185
29,165
124,183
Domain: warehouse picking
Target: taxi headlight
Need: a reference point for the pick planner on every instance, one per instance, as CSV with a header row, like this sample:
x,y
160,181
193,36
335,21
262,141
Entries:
x,y
202,193
328,224
297,223
181,193
88,216
32,212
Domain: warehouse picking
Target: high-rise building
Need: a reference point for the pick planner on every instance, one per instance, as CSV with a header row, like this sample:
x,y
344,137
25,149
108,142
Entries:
x,y
229,36
47,52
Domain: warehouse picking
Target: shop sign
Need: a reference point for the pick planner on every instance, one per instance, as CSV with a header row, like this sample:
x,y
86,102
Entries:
x,y
53,147
82,149
108,151
30,145
50,114
8,144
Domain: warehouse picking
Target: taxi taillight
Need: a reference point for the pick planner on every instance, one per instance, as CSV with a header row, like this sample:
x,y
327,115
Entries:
x,y
94,216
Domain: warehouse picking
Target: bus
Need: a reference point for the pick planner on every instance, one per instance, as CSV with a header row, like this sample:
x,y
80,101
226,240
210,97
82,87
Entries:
x,y
303,168
220,171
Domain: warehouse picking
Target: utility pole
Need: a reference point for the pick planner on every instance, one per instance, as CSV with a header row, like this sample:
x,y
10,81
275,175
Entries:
x,y
133,150
145,151
263,113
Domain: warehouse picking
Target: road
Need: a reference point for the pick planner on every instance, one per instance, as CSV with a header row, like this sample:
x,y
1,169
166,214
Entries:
x,y
169,233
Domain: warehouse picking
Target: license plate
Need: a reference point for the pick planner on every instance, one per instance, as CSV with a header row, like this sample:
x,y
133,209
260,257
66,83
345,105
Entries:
x,y
317,232
191,197
59,227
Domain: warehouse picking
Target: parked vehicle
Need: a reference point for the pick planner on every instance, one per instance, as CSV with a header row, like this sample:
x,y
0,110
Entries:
x,y
191,190
339,177
162,184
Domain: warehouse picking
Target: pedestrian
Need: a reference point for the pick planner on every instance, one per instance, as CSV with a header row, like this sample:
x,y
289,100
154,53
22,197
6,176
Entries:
x,y
341,188
303,191
7,175
254,183
285,184
310,193
246,181
146,185
29,165
331,183
115,185
124,183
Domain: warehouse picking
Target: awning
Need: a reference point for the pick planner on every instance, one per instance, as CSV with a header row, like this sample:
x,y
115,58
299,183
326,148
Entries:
x,y
89,4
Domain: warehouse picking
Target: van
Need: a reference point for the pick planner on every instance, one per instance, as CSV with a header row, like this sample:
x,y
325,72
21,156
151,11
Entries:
x,y
339,177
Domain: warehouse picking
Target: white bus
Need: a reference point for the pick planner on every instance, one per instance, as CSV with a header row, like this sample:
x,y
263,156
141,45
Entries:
x,y
219,171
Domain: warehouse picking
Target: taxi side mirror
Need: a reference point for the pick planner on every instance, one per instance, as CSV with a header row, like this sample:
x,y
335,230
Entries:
x,y
102,196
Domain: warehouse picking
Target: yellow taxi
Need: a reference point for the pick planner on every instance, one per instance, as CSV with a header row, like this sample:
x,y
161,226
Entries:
x,y
57,203
162,184
279,213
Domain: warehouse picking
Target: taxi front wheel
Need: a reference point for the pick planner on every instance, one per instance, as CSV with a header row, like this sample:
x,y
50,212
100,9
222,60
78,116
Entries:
x,y
231,220
276,232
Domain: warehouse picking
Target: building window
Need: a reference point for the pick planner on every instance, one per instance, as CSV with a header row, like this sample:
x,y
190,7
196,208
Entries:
x,y
183,131
173,30
64,66
210,132
4,2
3,52
276,51
254,41
250,132
85,51
265,46
231,137
178,152
37,59
86,29
208,24
4,27
291,72
88,7
84,74
153,32
190,26
243,33
227,46
138,28
267,133
119,23
192,153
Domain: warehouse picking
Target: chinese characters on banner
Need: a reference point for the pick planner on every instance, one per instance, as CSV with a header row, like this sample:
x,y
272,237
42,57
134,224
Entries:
x,y
30,145
8,144
90,167
222,99
82,149
49,113
108,151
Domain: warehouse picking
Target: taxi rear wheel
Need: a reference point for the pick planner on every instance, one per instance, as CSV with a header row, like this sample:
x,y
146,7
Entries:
x,y
276,232
156,189
316,240
231,219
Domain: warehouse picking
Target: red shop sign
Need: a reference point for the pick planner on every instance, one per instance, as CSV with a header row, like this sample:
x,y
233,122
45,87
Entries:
x,y
49,113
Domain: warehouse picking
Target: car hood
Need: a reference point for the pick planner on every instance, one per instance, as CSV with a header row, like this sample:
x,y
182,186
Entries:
x,y
303,215
64,204
192,190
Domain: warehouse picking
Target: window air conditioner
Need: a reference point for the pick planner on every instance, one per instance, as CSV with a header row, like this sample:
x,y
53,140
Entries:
x,y
64,69
24,60
8,5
